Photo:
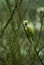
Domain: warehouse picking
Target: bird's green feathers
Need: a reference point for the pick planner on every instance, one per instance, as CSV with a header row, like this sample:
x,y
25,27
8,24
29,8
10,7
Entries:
x,y
28,29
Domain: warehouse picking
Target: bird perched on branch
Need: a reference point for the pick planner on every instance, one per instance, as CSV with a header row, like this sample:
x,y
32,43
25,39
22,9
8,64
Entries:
x,y
29,30
30,35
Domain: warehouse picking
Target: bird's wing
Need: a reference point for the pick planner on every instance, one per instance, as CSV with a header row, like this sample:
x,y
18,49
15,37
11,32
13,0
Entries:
x,y
30,31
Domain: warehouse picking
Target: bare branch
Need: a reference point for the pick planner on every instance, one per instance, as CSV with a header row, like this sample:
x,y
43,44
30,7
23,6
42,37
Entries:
x,y
8,20
40,30
22,16
8,5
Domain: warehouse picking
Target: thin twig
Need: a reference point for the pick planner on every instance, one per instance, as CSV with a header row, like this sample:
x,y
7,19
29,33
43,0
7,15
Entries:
x,y
21,17
8,5
6,26
8,20
40,30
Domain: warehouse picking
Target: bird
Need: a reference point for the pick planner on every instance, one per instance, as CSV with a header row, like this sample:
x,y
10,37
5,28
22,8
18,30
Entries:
x,y
30,35
29,30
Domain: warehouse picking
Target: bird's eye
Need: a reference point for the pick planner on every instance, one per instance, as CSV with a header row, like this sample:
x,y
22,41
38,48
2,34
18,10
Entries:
x,y
25,23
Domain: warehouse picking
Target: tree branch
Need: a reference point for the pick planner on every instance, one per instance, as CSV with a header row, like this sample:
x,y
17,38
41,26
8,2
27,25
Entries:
x,y
9,20
36,52
40,30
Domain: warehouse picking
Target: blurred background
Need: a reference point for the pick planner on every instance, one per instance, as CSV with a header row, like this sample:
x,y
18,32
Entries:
x,y
15,48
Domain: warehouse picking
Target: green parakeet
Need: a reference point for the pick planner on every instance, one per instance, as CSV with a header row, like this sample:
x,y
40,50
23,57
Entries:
x,y
30,34
29,30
